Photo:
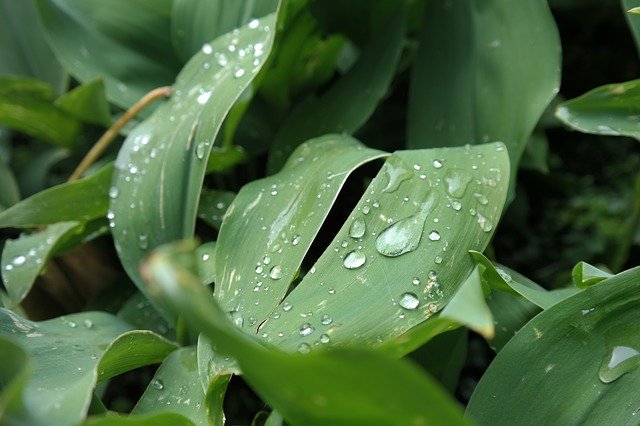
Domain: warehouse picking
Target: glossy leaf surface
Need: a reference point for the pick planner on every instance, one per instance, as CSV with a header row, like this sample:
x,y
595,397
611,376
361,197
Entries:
x,y
161,166
582,362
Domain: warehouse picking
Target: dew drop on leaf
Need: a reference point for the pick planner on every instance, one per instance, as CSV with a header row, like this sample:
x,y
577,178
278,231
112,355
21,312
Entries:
x,y
456,181
143,241
324,338
409,301
618,361
326,319
306,329
358,228
396,173
304,348
434,235
276,272
354,259
158,384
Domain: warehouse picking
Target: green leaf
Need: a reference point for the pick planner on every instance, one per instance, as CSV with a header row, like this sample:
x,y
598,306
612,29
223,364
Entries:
x,y
10,193
67,355
399,258
347,105
612,109
23,48
112,419
535,153
139,312
207,267
585,275
444,356
633,19
81,201
35,175
26,106
317,388
195,22
88,103
161,166
213,205
490,80
292,205
23,259
468,307
581,357
15,368
175,388
510,313
126,42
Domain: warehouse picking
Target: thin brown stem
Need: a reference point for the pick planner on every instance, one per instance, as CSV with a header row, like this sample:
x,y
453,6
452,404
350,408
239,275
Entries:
x,y
112,132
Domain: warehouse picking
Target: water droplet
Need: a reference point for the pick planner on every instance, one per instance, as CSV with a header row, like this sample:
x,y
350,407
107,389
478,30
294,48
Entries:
x,y
481,198
237,318
437,164
354,259
456,181
456,205
157,384
366,210
618,361
253,24
201,149
437,260
8,267
266,260
286,306
485,224
259,269
434,235
415,281
72,324
238,73
113,192
304,348
143,241
358,228
409,301
295,240
396,173
276,272
404,236
324,339
207,49
416,167
204,97
326,319
306,329
19,260
504,275
206,257
88,323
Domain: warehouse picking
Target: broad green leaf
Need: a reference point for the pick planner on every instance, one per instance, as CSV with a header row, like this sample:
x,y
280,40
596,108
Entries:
x,y
316,388
444,357
417,336
139,312
633,20
23,48
504,280
272,222
175,388
161,166
15,368
489,80
24,258
142,420
82,201
69,354
468,306
195,22
581,356
206,266
612,109
26,106
126,42
510,313
213,205
10,193
400,256
346,105
585,275
34,177
88,103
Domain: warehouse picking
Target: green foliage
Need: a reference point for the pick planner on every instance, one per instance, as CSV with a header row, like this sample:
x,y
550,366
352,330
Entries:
x,y
331,219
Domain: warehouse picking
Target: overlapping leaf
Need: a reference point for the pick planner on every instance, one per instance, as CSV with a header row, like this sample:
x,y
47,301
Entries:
x,y
582,357
161,166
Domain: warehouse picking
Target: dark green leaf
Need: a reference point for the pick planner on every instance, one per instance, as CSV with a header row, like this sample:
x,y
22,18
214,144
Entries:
x,y
585,275
347,105
10,193
87,103
213,205
581,357
35,176
15,369
510,313
444,356
489,80
143,420
82,201
126,42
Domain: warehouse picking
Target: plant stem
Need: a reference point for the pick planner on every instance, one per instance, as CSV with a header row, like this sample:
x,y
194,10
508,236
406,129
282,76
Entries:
x,y
112,132
628,232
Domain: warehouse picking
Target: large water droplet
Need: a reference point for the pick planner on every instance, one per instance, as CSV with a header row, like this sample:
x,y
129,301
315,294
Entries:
x,y
618,361
404,235
19,260
396,172
304,348
237,318
295,240
306,329
354,259
158,384
434,235
358,228
485,224
326,319
207,49
276,272
409,301
201,149
324,339
456,181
